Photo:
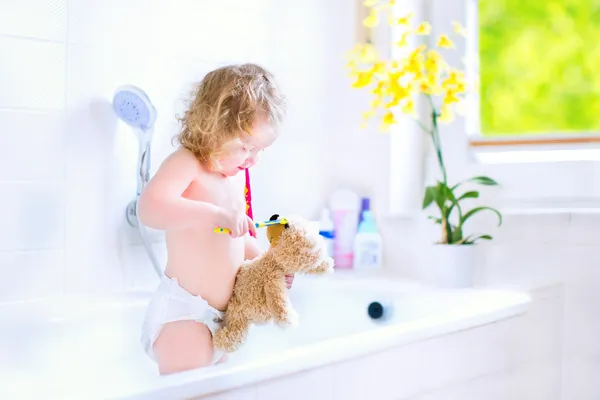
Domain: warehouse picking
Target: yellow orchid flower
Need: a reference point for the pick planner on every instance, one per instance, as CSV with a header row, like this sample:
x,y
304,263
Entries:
x,y
367,115
363,79
450,97
378,67
352,67
372,20
376,102
445,114
425,87
409,108
433,61
424,28
405,20
395,101
403,42
416,52
401,92
445,42
458,28
370,3
378,90
387,121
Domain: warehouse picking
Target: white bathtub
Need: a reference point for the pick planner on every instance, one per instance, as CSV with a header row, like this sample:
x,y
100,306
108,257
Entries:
x,y
85,348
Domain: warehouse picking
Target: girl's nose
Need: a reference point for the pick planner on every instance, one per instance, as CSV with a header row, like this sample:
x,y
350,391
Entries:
x,y
252,161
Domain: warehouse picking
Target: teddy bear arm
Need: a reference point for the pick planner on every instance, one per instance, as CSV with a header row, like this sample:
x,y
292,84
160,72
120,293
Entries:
x,y
323,267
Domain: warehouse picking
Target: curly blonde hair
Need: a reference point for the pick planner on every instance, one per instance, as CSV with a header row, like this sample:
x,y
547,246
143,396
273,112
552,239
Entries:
x,y
225,104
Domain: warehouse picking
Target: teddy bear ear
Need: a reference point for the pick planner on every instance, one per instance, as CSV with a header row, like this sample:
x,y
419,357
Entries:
x,y
276,217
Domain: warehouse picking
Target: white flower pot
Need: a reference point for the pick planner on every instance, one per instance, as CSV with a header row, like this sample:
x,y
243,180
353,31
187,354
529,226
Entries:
x,y
452,266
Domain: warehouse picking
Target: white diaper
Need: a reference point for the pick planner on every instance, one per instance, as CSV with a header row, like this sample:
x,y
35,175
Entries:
x,y
173,303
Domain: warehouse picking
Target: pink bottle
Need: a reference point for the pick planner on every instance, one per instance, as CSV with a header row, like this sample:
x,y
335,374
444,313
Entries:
x,y
344,205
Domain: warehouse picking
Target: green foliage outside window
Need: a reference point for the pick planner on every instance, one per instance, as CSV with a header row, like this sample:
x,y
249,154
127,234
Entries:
x,y
539,66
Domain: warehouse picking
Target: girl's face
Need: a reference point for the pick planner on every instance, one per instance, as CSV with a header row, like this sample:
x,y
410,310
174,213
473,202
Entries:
x,y
244,152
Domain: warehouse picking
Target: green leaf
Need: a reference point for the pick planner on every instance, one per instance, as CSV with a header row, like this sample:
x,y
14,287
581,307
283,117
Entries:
x,y
456,235
478,209
469,195
484,180
430,195
441,195
486,237
471,239
435,219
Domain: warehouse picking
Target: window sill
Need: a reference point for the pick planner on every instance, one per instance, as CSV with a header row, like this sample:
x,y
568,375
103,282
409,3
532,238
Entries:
x,y
536,149
529,156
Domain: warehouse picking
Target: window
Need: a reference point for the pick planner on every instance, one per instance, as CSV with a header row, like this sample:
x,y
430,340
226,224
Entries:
x,y
534,126
539,67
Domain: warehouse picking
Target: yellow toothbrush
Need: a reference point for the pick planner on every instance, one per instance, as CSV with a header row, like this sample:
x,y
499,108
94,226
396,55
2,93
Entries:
x,y
281,221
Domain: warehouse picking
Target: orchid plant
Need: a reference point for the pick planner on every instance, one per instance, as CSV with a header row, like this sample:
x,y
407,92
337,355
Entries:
x,y
396,84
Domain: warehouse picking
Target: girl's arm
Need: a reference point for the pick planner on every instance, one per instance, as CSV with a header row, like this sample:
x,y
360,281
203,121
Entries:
x,y
161,205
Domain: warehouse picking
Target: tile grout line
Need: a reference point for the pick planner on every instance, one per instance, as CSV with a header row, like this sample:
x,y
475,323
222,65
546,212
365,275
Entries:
x,y
65,170
31,39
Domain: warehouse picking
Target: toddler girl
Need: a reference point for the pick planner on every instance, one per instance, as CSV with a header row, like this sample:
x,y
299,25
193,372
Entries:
x,y
234,116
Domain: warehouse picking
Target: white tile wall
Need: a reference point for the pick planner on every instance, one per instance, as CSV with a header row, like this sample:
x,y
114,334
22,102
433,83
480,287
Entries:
x,y
37,19
33,74
32,274
33,216
32,146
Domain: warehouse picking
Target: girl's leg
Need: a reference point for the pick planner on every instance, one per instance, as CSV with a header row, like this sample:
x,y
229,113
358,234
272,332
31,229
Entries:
x,y
183,345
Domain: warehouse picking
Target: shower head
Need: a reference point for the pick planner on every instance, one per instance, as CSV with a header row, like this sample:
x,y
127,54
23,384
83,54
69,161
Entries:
x,y
133,107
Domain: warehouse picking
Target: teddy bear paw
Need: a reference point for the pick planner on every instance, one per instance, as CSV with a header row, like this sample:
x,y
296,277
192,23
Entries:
x,y
293,318
289,320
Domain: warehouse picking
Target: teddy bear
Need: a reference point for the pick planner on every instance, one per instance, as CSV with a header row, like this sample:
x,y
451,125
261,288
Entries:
x,y
259,292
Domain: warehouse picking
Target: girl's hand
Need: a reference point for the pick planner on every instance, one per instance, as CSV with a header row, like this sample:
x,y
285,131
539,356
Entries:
x,y
289,280
238,224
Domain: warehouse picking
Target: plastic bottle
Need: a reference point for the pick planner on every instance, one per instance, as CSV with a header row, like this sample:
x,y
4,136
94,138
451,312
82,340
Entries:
x,y
326,230
368,246
365,205
344,206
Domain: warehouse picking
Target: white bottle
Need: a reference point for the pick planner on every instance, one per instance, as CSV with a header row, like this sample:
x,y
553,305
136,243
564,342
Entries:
x,y
368,246
327,231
